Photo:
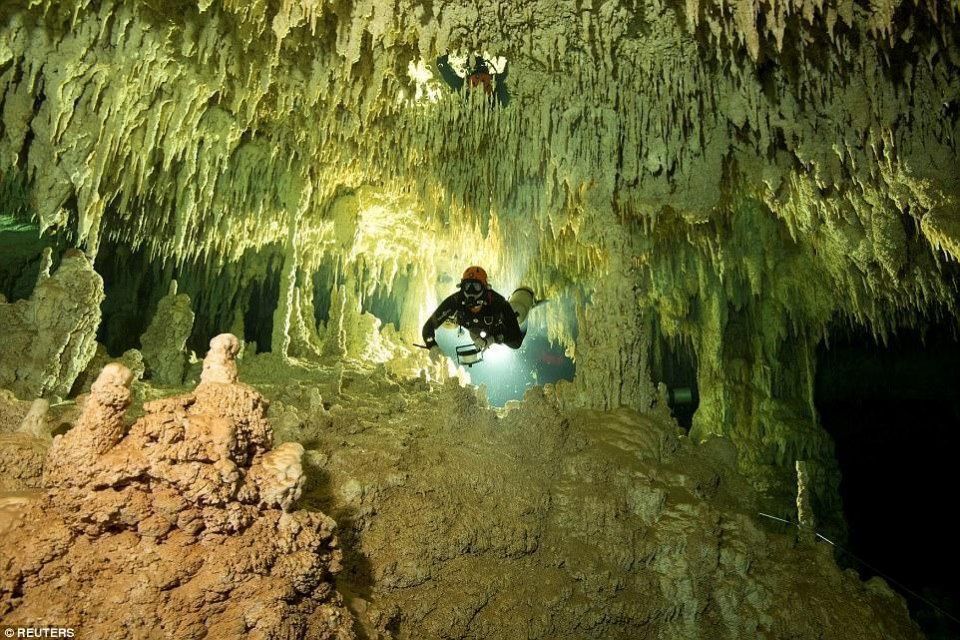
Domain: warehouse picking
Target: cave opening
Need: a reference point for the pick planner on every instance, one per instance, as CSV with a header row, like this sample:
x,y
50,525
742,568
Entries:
x,y
894,413
674,365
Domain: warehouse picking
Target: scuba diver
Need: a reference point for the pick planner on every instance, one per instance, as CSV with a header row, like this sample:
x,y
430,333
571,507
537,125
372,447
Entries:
x,y
487,315
483,75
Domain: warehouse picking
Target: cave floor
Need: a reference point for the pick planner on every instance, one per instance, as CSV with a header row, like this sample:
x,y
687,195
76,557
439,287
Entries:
x,y
458,520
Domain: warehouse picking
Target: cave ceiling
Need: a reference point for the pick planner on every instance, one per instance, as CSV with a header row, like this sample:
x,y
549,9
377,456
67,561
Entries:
x,y
799,151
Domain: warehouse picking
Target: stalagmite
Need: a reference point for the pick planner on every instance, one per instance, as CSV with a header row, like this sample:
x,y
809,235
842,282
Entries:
x,y
184,499
49,338
220,365
335,334
286,313
164,342
35,423
73,457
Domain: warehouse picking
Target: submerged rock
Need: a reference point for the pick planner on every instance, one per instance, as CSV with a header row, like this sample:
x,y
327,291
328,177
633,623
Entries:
x,y
545,521
179,527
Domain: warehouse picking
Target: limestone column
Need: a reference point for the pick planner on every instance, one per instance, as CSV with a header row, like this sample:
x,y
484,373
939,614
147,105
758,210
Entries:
x,y
613,347
288,317
805,517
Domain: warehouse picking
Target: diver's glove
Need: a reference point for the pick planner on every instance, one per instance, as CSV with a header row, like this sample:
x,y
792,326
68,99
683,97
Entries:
x,y
430,344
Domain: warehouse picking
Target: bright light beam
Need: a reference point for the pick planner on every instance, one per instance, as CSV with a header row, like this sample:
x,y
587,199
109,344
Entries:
x,y
507,373
498,355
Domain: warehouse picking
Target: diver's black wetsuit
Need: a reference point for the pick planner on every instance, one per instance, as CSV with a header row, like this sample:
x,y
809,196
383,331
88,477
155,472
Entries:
x,y
498,91
496,317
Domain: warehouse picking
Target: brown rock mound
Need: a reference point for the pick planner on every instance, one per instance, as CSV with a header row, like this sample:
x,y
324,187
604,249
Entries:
x,y
12,411
22,451
178,528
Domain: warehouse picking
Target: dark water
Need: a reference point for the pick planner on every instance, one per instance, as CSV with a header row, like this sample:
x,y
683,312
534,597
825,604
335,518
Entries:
x,y
894,413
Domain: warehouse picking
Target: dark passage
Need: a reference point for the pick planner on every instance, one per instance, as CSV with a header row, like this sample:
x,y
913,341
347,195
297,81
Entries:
x,y
894,413
675,366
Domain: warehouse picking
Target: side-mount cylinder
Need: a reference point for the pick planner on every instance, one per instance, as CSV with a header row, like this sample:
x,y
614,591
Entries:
x,y
522,300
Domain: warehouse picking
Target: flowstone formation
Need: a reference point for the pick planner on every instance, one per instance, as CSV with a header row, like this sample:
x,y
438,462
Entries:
x,y
541,521
164,342
49,338
179,526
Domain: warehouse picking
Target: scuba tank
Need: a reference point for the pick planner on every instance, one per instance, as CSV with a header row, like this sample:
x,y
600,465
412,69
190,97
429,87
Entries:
x,y
522,301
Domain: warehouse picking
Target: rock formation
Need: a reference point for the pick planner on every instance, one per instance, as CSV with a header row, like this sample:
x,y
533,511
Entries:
x,y
12,411
22,450
350,333
736,179
546,522
35,422
49,338
132,359
220,365
180,526
164,342
21,461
